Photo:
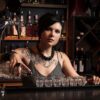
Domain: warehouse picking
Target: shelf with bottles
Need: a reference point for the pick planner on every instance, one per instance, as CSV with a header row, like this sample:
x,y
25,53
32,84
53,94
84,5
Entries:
x,y
87,27
86,35
25,25
82,60
59,7
89,39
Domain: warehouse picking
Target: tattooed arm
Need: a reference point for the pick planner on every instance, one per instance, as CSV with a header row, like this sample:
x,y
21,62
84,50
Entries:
x,y
20,56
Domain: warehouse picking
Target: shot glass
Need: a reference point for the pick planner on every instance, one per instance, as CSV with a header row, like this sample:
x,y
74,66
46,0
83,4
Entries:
x,y
57,81
39,82
71,82
81,81
65,82
48,82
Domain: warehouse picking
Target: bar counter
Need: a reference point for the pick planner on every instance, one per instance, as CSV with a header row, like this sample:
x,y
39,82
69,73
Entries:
x,y
59,93
13,88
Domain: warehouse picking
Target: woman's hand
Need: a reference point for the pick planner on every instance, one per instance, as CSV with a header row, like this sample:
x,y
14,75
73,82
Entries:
x,y
16,61
96,80
93,80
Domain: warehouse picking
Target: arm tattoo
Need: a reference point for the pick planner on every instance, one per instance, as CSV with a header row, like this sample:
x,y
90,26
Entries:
x,y
25,53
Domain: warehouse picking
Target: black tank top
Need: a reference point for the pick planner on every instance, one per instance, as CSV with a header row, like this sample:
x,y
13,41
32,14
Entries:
x,y
28,80
56,72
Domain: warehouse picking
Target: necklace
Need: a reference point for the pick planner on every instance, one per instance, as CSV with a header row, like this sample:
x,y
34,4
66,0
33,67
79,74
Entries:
x,y
44,63
44,57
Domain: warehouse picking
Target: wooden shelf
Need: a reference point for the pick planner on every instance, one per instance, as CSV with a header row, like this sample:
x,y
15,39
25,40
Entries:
x,y
21,38
15,38
11,84
44,5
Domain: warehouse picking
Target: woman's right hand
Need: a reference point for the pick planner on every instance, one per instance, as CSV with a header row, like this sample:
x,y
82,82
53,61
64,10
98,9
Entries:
x,y
17,60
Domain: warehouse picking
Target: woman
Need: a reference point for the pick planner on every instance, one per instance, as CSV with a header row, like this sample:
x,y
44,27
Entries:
x,y
42,60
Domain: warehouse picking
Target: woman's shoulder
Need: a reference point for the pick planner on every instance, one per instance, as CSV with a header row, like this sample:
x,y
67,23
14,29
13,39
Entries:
x,y
62,54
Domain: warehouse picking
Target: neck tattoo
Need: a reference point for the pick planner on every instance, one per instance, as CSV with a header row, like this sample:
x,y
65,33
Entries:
x,y
44,57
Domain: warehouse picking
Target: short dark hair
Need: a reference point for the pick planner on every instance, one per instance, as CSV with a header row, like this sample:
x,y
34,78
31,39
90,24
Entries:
x,y
47,20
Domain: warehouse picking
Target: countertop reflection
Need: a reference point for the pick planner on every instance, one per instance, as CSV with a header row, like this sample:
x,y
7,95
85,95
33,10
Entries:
x,y
53,94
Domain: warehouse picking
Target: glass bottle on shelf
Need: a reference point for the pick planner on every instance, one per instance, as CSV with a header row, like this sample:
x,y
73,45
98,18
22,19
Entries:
x,y
81,61
15,24
29,27
76,60
22,25
8,19
63,21
35,25
26,44
78,38
82,34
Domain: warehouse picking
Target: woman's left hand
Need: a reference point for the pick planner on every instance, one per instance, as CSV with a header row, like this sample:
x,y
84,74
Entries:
x,y
96,80
93,80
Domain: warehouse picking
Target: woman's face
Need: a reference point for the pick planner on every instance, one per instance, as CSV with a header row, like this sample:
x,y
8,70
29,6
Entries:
x,y
51,35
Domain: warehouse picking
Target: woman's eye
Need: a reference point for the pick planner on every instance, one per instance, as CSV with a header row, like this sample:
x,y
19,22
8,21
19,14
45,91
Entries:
x,y
58,31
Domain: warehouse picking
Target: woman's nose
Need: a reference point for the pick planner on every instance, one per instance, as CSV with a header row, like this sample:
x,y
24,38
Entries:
x,y
52,32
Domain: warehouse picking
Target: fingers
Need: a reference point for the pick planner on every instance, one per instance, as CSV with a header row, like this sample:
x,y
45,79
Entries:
x,y
96,80
26,67
17,71
92,79
16,61
13,60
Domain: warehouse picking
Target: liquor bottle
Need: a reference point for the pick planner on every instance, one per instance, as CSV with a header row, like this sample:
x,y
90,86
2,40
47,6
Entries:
x,y
57,13
22,25
35,25
81,34
77,38
26,44
8,19
81,61
76,60
64,24
15,24
29,27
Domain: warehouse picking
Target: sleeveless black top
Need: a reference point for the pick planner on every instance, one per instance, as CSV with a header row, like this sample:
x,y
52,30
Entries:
x,y
28,80
56,72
